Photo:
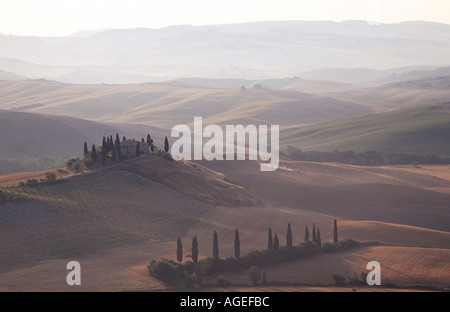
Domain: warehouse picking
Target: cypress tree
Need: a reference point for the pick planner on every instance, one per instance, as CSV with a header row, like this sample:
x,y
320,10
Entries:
x,y
166,145
118,151
237,244
138,150
86,150
335,236
289,236
314,236
113,151
270,240
179,250
152,147
149,139
319,240
124,138
103,155
215,246
142,140
276,243
194,249
94,153
306,234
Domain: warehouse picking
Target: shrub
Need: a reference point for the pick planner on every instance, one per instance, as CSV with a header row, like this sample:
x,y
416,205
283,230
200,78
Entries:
x,y
339,279
87,162
50,177
164,270
222,281
329,247
3,197
254,274
32,183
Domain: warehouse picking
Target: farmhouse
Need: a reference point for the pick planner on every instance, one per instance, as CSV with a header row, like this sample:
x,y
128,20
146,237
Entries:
x,y
128,147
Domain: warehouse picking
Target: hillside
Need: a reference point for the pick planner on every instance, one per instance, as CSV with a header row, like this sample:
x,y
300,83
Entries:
x,y
168,104
404,94
27,136
407,196
421,130
5,75
130,203
295,83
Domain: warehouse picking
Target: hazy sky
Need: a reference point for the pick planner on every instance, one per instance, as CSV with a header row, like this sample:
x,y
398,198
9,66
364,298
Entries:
x,y
63,17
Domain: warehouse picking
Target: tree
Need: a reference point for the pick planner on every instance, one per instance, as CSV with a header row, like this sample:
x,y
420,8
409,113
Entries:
x,y
86,151
270,240
94,153
254,273
237,245
138,150
149,139
306,234
124,138
314,236
318,240
118,151
276,243
289,236
142,140
152,147
104,151
215,246
179,250
335,236
166,145
194,249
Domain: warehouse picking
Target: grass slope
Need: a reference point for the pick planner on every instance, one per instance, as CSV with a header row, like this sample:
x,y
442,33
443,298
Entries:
x,y
413,130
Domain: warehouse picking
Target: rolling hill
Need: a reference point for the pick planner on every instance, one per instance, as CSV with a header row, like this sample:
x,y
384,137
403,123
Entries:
x,y
266,49
129,203
27,136
165,105
404,94
415,198
420,130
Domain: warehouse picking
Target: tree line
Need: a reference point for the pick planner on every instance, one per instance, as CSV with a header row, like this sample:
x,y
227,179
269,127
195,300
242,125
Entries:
x,y
366,158
191,272
273,242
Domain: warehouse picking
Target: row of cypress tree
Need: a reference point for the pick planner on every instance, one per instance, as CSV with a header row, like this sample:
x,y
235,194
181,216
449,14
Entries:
x,y
273,243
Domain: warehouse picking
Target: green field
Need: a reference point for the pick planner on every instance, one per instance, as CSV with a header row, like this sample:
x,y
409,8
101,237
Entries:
x,y
421,130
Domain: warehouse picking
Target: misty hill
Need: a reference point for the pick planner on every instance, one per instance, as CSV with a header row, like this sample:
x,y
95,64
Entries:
x,y
4,75
367,77
250,50
168,104
295,83
421,130
26,135
410,93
